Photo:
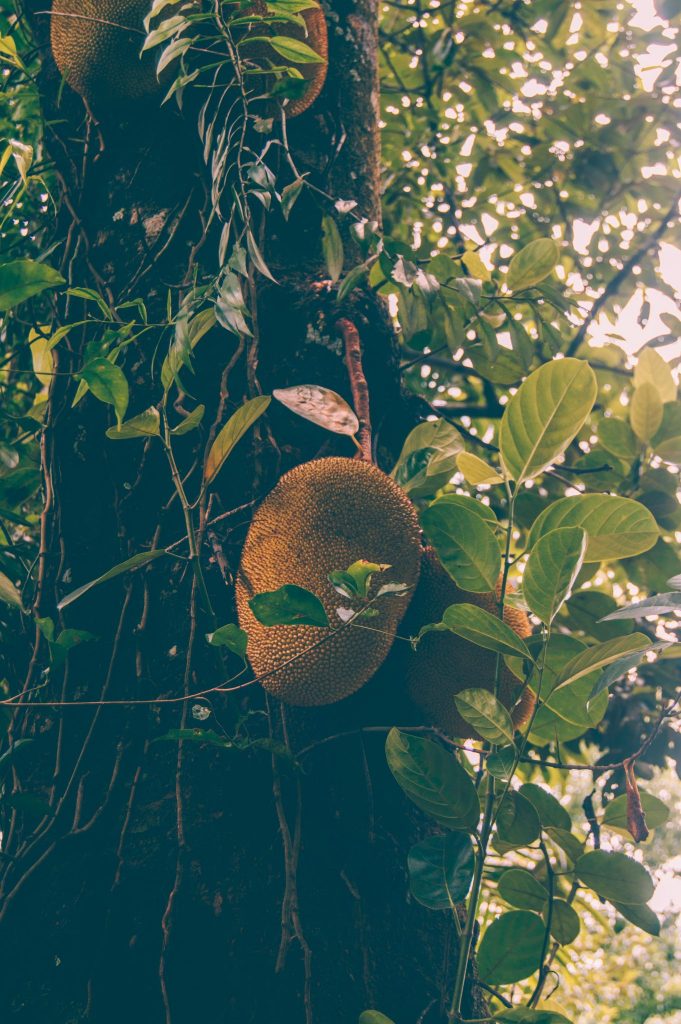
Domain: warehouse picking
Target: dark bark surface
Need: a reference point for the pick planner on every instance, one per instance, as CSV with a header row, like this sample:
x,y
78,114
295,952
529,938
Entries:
x,y
169,882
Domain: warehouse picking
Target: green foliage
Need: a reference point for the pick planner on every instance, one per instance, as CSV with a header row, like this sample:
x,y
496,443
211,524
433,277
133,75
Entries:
x,y
434,780
516,125
441,870
465,544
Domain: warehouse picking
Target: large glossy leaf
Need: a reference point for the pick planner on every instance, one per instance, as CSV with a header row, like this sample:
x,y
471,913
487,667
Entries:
x,y
565,923
532,264
551,571
614,876
551,812
22,279
441,870
428,458
544,415
143,558
434,779
600,655
652,368
522,890
108,383
465,544
615,816
486,714
568,713
645,412
640,915
232,432
511,948
484,629
616,527
146,424
476,471
517,820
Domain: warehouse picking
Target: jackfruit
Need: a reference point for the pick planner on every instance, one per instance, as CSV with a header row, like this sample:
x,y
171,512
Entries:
x,y
444,664
323,516
96,45
315,35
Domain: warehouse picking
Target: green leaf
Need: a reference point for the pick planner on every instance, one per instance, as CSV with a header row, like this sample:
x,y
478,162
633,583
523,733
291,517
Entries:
x,y
8,592
511,948
22,279
441,870
486,714
108,383
232,432
290,605
551,812
374,1017
532,264
356,580
465,545
501,763
476,471
428,458
600,655
645,412
640,915
332,246
188,333
146,424
567,842
143,558
615,816
617,437
521,889
614,876
469,504
616,527
521,1015
544,415
231,637
190,422
661,604
434,780
484,629
293,50
551,571
565,923
652,368
517,821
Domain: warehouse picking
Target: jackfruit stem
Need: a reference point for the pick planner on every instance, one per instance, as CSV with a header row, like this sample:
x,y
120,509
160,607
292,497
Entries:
x,y
358,385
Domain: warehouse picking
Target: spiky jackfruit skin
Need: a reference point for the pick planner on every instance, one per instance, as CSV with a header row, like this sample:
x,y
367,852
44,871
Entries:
x,y
96,45
445,664
321,516
315,35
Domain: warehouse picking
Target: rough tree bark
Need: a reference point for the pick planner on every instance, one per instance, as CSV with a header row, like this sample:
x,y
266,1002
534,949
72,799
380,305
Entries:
x,y
171,883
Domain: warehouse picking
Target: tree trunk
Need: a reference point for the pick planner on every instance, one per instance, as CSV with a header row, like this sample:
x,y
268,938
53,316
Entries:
x,y
177,881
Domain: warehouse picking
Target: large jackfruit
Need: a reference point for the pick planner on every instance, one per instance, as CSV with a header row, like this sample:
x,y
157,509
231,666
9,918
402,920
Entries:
x,y
96,45
322,516
445,664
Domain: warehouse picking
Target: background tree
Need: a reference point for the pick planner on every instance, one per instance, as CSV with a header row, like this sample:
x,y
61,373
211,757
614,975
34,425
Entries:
x,y
179,842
